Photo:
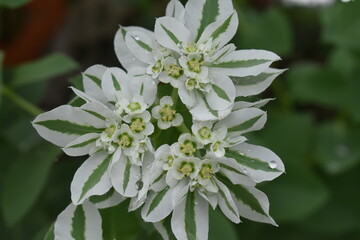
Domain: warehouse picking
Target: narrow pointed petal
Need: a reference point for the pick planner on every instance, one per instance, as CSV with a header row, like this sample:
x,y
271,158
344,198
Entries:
x,y
170,33
141,45
244,104
92,78
190,219
115,81
82,145
164,228
222,94
244,63
79,222
176,10
260,163
144,86
124,177
226,203
92,178
234,172
252,85
64,124
109,199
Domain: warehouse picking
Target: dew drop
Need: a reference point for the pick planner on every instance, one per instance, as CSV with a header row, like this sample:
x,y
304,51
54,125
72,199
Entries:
x,y
139,185
136,37
196,203
272,164
244,170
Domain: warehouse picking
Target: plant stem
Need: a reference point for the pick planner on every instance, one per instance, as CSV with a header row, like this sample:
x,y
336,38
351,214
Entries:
x,y
175,96
21,102
183,128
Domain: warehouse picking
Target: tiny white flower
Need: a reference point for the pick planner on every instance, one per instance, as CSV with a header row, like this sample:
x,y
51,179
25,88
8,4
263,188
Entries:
x,y
133,106
126,140
166,114
203,132
184,167
208,169
140,124
187,146
173,73
164,156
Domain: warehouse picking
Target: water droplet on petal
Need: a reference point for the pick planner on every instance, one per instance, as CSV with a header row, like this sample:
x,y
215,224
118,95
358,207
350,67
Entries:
x,y
136,37
196,203
244,170
241,153
273,164
139,185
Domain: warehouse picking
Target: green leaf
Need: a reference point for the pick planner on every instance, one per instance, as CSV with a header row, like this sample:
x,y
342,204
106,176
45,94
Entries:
x,y
13,3
43,69
268,30
96,176
250,162
25,180
78,224
220,227
1,75
221,93
50,235
64,126
209,14
239,64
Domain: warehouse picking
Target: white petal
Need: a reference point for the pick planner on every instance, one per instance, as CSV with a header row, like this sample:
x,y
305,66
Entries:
x,y
109,199
92,78
82,145
91,178
222,94
176,10
234,172
141,45
258,104
186,96
64,124
143,86
170,33
193,209
65,227
115,82
226,203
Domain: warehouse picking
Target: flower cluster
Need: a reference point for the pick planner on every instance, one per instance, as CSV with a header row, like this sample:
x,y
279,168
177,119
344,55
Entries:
x,y
168,133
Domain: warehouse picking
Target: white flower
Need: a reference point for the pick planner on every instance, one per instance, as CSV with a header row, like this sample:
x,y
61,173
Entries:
x,y
126,140
187,146
203,132
183,167
140,124
166,114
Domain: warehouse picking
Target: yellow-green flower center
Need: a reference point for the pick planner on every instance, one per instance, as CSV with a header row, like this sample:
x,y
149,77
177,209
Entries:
x,y
134,106
170,160
137,125
186,168
191,48
124,140
206,171
167,113
216,146
195,65
110,130
205,133
157,67
174,71
191,83
188,148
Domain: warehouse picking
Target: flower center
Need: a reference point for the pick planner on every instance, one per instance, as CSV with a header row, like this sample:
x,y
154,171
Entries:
x,y
191,48
194,65
216,146
167,113
205,133
134,106
124,140
188,148
110,130
191,83
186,168
206,171
170,160
174,71
137,125
157,67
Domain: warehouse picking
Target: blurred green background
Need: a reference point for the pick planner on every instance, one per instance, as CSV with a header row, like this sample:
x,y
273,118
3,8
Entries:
x,y
313,124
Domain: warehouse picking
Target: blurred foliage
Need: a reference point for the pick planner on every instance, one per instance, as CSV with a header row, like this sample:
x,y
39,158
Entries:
x,y
313,125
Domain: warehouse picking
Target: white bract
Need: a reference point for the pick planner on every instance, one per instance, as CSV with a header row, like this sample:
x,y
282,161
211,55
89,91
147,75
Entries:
x,y
137,136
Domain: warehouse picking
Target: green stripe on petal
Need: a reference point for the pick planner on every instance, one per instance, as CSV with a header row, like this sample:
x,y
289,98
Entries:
x,y
190,222
67,127
102,198
230,168
95,79
171,35
252,80
239,64
83,144
245,125
142,89
126,174
157,199
250,162
227,202
212,111
221,93
95,114
78,224
142,44
209,14
222,28
243,195
116,83
96,176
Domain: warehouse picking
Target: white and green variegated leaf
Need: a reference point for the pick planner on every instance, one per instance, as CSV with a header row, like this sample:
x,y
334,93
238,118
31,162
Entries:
x,y
141,45
226,202
82,145
64,124
260,163
203,111
164,228
201,13
110,199
145,87
81,222
160,204
170,33
234,172
252,85
92,178
190,219
243,121
92,78
100,111
115,82
244,63
87,98
123,53
176,10
251,203
221,31
241,103
125,176
222,94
